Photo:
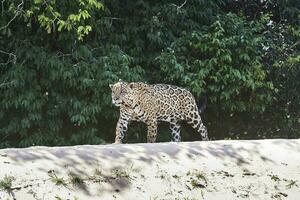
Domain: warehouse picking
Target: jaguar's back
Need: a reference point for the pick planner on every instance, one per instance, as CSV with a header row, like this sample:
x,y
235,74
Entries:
x,y
173,102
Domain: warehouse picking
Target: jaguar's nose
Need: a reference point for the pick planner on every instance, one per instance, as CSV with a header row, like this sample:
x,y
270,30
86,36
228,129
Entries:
x,y
116,101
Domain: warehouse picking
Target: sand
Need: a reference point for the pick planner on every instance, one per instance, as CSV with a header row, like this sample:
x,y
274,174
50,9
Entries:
x,y
239,169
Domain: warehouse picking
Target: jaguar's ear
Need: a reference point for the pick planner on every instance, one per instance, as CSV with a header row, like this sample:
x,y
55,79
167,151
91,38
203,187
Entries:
x,y
131,85
111,86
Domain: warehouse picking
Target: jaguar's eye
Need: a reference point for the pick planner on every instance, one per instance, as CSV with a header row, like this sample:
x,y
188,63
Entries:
x,y
122,92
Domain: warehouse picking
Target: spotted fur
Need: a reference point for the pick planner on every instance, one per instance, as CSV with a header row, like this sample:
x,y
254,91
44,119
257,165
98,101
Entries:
x,y
153,103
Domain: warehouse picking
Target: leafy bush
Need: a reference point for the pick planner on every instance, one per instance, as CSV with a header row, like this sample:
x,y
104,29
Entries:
x,y
223,62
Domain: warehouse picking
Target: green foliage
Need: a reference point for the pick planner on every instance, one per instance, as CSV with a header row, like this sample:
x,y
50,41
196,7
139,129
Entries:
x,y
59,95
197,179
57,59
56,16
223,62
6,182
291,183
120,173
59,181
76,179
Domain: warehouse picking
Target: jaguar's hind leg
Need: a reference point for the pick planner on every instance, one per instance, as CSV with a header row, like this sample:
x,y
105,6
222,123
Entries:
x,y
175,128
197,124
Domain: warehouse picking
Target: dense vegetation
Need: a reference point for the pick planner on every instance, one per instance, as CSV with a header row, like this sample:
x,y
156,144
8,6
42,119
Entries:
x,y
57,59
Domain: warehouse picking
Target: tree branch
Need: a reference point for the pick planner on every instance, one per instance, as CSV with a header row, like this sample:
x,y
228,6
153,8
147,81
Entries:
x,y
179,7
2,4
18,11
4,84
14,59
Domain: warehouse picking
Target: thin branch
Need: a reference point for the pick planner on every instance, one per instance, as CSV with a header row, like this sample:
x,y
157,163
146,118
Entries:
x,y
61,54
2,11
113,18
7,53
14,59
293,45
179,7
55,15
18,11
4,84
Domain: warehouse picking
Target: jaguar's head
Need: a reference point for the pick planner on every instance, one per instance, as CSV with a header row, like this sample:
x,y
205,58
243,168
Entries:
x,y
121,93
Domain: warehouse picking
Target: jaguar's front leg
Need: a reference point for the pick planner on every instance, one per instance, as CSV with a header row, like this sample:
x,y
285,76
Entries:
x,y
152,131
121,129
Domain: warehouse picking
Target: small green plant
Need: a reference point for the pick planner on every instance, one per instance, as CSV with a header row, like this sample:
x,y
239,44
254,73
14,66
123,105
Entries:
x,y
98,172
248,173
186,198
291,183
58,198
225,173
274,178
97,176
162,176
57,180
198,175
118,173
198,179
279,195
176,176
197,184
75,179
6,182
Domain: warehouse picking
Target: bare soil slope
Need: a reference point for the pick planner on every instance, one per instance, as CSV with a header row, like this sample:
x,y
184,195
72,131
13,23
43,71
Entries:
x,y
257,169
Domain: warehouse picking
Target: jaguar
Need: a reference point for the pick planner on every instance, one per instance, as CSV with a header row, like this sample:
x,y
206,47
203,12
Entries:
x,y
154,103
